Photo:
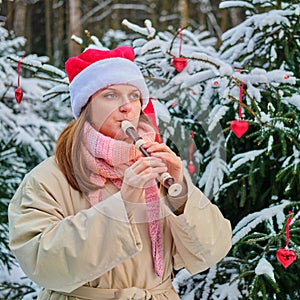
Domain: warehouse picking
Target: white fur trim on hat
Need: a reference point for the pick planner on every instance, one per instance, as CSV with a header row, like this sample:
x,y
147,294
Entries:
x,y
102,74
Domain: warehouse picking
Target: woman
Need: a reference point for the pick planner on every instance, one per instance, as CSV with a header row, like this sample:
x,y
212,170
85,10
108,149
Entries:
x,y
92,222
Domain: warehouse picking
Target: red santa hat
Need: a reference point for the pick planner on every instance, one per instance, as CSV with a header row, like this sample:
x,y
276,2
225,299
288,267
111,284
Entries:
x,y
95,69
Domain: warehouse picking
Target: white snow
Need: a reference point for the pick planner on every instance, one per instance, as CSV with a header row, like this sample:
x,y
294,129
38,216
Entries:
x,y
252,220
198,77
265,268
240,159
229,4
148,30
294,100
227,291
216,115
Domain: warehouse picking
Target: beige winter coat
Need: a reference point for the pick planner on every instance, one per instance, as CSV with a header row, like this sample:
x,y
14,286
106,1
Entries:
x,y
62,243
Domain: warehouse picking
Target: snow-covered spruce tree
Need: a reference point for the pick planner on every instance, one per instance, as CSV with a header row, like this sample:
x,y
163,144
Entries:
x,y
267,166
254,179
28,131
268,38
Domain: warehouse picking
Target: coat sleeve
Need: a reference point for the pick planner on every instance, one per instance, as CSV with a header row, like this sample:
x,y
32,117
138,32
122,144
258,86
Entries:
x,y
201,235
62,252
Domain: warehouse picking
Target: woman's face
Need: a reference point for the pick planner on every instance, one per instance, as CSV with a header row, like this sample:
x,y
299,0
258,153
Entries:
x,y
110,106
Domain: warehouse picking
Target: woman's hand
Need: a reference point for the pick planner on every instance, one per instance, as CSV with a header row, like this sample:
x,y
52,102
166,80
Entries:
x,y
173,162
140,175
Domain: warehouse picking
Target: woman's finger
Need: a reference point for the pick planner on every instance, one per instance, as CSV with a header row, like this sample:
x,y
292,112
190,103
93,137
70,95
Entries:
x,y
156,147
147,162
163,152
144,170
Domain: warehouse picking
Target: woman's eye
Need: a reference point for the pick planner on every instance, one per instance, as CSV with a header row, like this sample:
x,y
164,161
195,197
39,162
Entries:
x,y
135,96
110,96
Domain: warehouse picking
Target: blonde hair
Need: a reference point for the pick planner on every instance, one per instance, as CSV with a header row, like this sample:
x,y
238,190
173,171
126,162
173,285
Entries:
x,y
69,156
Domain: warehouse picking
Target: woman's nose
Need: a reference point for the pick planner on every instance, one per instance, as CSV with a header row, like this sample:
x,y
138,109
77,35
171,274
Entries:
x,y
125,105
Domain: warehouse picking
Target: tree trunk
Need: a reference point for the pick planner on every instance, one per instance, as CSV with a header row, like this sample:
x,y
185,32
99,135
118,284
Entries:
x,y
115,16
59,36
236,16
154,14
29,31
48,29
75,27
7,10
224,20
183,8
20,18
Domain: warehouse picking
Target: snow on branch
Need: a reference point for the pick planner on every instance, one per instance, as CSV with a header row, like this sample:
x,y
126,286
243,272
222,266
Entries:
x,y
216,115
230,4
252,220
240,159
148,30
265,268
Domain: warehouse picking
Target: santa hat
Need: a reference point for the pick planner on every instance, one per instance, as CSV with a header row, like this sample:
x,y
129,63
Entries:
x,y
96,69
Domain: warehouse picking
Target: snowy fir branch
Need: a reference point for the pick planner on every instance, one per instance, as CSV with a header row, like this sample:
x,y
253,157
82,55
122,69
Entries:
x,y
35,64
17,290
29,130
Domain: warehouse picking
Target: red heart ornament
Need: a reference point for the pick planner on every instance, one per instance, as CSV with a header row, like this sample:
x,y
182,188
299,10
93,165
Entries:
x,y
18,94
191,168
286,257
179,63
239,127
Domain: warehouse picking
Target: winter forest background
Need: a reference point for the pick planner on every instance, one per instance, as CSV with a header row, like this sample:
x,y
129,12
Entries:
x,y
243,66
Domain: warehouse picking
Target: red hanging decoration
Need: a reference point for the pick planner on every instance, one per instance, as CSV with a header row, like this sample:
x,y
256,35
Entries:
x,y
19,91
179,63
240,127
191,166
285,255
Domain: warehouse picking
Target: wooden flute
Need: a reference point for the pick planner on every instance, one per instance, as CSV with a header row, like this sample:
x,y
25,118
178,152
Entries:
x,y
174,189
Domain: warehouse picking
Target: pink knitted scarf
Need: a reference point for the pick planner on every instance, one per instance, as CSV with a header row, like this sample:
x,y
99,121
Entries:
x,y
102,155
